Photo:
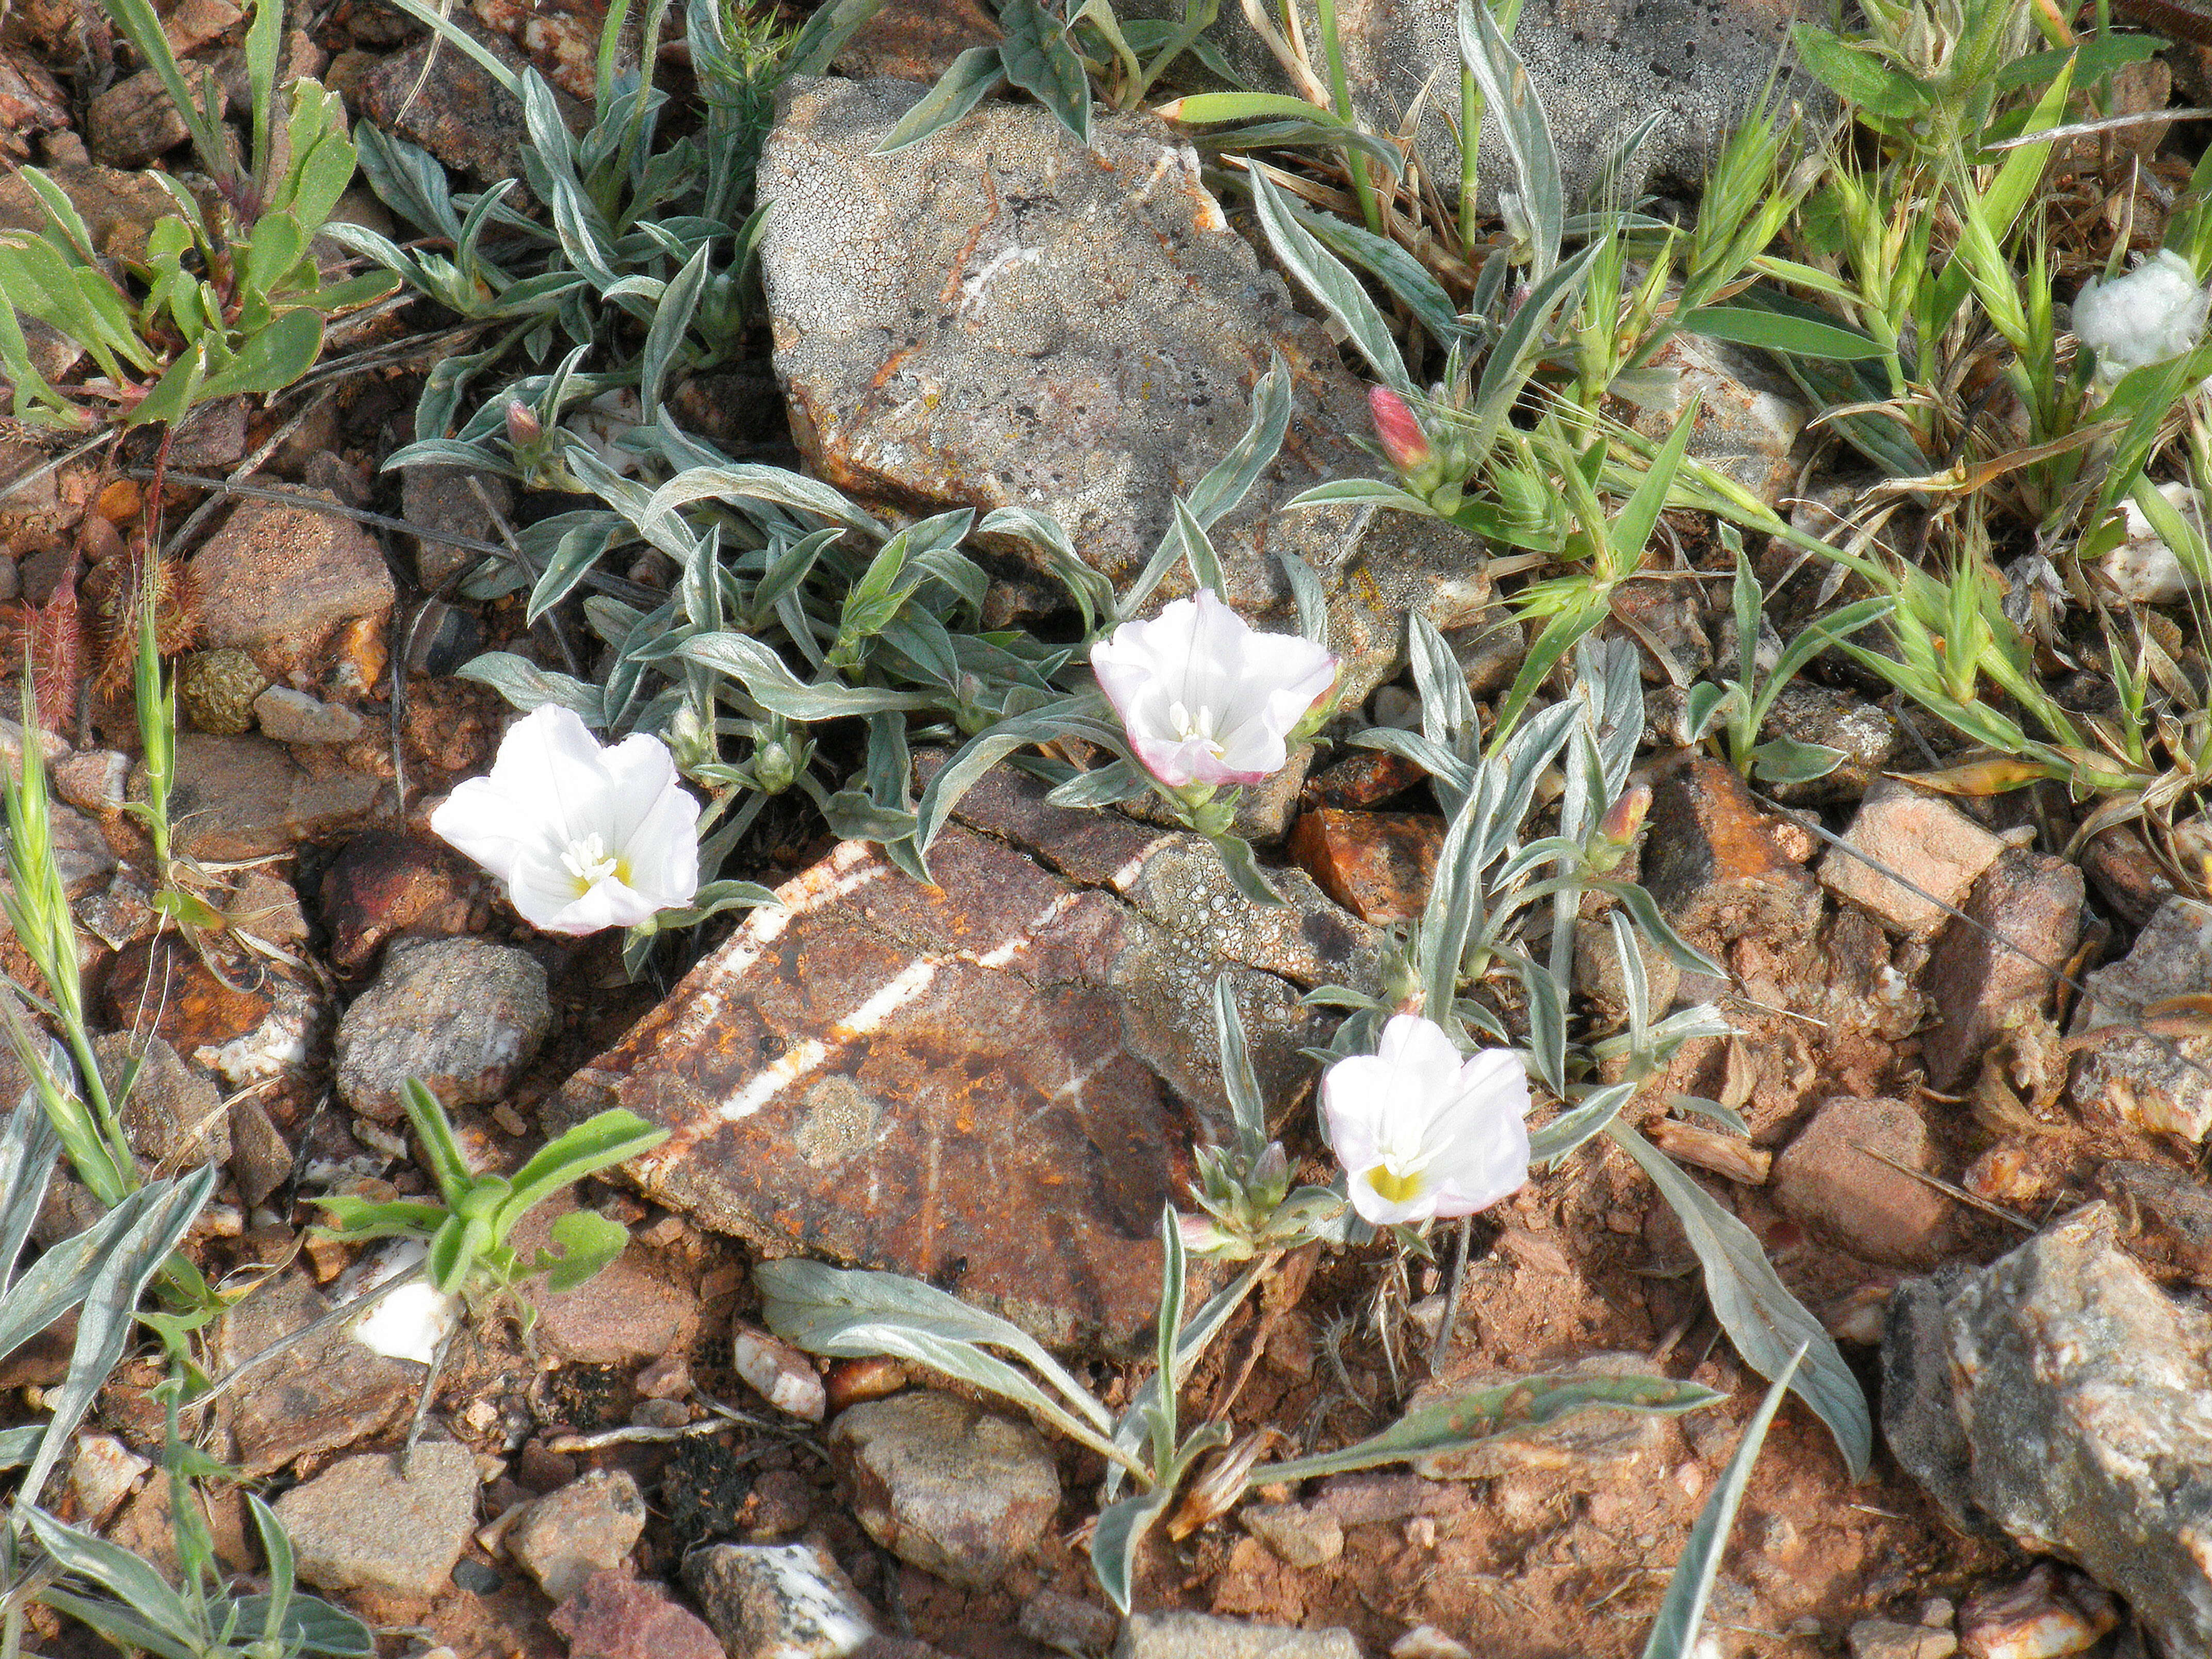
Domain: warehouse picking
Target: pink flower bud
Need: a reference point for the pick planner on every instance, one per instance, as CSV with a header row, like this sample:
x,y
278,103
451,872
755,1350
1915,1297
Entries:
x,y
524,428
1625,816
1400,429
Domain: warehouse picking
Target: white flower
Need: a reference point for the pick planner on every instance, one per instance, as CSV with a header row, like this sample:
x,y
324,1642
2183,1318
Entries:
x,y
603,422
2143,568
1204,697
583,837
1425,1131
2155,312
412,1321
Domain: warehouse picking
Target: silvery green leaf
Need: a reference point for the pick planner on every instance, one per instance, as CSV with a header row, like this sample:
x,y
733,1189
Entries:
x,y
526,686
106,1316
1674,1630
852,816
1197,548
1407,278
1093,593
1324,277
1468,1419
1652,922
1547,1020
1587,1117
824,34
1448,714
670,318
1768,1325
1243,870
1705,704
1241,1084
1521,341
1781,760
1114,1535
1103,786
1433,758
1511,97
963,85
1727,1116
573,558
770,684
1073,714
772,484
1636,991
29,1148
807,1304
1228,480
129,1578
1039,60
1360,492
1306,597
19,1445
311,1625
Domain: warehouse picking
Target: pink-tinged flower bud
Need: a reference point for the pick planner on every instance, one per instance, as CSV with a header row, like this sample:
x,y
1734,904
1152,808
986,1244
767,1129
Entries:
x,y
1625,816
524,428
1403,440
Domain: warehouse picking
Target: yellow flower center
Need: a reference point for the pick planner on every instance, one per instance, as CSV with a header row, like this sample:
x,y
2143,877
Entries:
x,y
588,863
1392,1188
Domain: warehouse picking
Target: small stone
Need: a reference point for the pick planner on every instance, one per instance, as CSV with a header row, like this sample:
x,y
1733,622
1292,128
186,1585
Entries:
x,y
322,1393
1364,1499
460,1016
1590,1450
1365,777
958,1492
1081,1629
2164,1083
1427,1642
1376,864
1749,415
2127,874
2046,1615
101,1474
1828,1179
82,857
53,749
1711,860
278,579
289,716
781,1502
92,782
622,1315
173,1114
1866,735
1880,1638
1202,1636
1926,839
587,1526
246,798
441,498
614,1616
382,885
778,1373
160,986
1301,1536
135,119
668,1377
660,1414
362,1524
778,1600
443,100
1981,985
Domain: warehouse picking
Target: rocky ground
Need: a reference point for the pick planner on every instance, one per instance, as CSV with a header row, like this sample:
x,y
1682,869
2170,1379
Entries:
x,y
1969,1157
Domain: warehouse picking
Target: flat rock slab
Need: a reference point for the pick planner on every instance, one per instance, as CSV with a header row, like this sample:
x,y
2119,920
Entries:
x,y
997,317
992,1084
365,1524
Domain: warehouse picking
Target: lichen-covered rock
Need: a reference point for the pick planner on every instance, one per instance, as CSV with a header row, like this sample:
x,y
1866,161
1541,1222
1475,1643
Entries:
x,y
997,316
991,1084
458,1015
2080,1395
778,1600
216,690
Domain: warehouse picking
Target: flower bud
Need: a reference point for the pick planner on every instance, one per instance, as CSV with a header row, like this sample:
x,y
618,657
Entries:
x,y
1625,816
775,769
1404,442
1202,1236
1270,1178
690,739
524,428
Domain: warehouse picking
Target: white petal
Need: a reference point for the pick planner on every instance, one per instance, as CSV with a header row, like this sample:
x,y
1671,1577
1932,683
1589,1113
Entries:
x,y
485,823
408,1324
1380,1211
663,850
1355,1093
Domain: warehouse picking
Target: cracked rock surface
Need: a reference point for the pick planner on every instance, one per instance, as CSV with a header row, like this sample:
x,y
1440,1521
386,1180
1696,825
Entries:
x,y
992,1084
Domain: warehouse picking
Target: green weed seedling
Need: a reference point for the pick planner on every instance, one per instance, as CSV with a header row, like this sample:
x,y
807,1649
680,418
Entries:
x,y
227,298
469,1255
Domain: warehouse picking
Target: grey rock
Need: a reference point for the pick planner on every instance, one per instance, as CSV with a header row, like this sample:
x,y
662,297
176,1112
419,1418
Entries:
x,y
997,317
135,119
2163,1084
1918,1422
1599,66
324,1393
1202,1636
1982,986
260,1159
1806,711
289,716
958,1491
364,1524
460,1015
778,1600
1299,1536
102,1470
1068,1624
173,1114
2083,1394
441,498
1748,416
1925,839
1829,1179
456,111
589,1526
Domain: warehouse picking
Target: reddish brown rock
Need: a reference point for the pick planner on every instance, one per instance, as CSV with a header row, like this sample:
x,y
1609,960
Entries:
x,y
1365,777
1712,860
618,1617
1923,838
1376,864
384,884
277,580
992,1084
1830,1180
245,797
1980,984
160,987
917,40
